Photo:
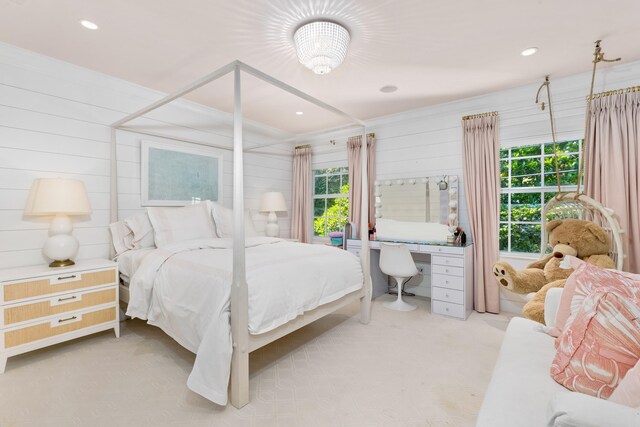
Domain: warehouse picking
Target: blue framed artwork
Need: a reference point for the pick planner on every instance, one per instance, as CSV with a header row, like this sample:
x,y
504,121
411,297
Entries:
x,y
174,175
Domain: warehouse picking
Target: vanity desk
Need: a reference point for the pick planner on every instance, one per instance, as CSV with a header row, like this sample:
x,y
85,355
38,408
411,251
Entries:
x,y
451,274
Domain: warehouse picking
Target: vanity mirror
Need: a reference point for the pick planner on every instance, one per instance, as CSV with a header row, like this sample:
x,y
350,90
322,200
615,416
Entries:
x,y
425,199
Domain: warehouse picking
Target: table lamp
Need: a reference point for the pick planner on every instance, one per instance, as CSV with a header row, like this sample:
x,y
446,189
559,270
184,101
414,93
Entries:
x,y
61,198
272,202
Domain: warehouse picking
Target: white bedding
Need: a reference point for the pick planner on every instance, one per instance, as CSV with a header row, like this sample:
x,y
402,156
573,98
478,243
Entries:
x,y
129,261
184,288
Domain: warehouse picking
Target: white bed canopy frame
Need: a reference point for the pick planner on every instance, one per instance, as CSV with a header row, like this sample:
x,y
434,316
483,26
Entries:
x,y
243,342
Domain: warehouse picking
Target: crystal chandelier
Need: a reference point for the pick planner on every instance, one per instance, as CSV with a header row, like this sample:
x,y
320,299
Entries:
x,y
321,45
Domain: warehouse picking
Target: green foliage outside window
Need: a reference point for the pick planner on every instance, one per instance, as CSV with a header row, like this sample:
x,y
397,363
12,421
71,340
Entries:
x,y
330,200
528,180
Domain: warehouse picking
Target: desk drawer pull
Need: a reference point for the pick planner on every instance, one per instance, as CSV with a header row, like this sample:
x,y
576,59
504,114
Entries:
x,y
67,319
66,299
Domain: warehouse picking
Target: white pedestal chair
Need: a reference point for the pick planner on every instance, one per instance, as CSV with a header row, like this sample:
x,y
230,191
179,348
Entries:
x,y
396,261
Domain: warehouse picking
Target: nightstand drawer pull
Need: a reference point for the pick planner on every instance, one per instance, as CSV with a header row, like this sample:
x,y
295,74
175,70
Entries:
x,y
67,319
73,276
66,299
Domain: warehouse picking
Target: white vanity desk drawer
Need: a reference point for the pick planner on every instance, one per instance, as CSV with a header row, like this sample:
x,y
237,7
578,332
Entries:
x,y
448,309
448,295
355,251
447,260
445,281
445,250
449,271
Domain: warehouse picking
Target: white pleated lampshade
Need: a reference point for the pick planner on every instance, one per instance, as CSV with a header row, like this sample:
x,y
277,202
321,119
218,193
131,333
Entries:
x,y
273,201
52,196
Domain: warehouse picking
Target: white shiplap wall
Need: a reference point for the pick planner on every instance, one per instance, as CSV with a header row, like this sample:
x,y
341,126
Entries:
x,y
54,121
427,141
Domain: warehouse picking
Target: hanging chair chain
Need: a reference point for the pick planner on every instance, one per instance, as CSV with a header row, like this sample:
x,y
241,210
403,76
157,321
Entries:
x,y
547,84
598,56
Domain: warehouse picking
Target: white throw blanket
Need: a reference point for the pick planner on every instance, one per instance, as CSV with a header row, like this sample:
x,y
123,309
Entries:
x,y
185,289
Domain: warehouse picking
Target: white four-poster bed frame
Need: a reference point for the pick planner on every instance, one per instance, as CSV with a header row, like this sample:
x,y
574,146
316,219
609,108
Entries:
x,y
243,342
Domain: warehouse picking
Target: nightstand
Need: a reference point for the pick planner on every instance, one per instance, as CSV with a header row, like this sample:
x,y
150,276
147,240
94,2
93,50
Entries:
x,y
41,306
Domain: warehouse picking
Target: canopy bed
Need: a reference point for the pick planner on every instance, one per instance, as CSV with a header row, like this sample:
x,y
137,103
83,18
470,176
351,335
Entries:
x,y
237,301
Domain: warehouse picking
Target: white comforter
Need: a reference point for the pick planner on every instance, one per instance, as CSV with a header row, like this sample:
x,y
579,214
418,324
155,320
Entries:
x,y
184,289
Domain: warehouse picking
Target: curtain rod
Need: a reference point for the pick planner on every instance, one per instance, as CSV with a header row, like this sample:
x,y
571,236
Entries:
x,y
614,92
477,116
371,134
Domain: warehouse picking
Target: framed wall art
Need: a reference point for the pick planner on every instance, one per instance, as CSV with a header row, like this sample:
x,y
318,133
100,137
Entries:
x,y
173,175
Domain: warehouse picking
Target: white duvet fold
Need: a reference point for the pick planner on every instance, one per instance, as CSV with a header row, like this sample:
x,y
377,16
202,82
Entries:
x,y
184,288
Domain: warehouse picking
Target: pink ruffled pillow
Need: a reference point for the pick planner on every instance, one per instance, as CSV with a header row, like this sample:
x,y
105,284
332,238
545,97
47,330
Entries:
x,y
628,391
602,341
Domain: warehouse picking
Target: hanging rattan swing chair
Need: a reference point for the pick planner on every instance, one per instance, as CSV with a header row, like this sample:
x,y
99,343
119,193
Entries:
x,y
565,205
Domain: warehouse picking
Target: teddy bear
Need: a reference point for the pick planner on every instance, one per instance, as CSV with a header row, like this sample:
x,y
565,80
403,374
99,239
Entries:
x,y
582,239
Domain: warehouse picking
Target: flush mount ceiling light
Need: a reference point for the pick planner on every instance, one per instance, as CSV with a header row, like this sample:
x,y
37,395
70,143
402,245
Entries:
x,y
529,51
299,113
88,24
321,45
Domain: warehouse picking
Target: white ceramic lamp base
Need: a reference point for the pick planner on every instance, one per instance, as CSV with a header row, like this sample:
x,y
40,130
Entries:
x,y
273,229
61,246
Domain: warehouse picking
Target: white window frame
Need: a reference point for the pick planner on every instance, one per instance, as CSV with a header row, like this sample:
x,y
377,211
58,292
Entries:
x,y
326,196
551,187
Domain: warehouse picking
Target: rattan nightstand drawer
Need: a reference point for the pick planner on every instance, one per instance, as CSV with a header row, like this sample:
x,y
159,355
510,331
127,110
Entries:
x,y
14,314
68,322
56,283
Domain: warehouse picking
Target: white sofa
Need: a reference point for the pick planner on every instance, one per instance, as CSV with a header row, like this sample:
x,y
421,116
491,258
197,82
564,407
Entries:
x,y
522,393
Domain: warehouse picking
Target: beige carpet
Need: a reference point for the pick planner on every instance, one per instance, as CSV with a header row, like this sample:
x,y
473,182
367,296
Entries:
x,y
403,369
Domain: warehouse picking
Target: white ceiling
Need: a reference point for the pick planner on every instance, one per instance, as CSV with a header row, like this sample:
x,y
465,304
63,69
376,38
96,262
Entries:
x,y
434,51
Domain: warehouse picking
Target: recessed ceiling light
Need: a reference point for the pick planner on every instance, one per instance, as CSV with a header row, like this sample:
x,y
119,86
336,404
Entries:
x,y
529,51
299,113
88,24
388,89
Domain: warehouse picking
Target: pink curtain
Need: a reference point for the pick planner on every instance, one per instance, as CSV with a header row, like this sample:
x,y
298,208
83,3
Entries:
x,y
480,156
354,146
612,165
302,188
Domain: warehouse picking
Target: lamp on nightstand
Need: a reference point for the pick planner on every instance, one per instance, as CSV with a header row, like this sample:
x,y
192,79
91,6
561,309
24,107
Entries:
x,y
61,198
272,202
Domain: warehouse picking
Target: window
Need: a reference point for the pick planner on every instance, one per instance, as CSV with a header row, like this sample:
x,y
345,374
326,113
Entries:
x,y
527,181
330,200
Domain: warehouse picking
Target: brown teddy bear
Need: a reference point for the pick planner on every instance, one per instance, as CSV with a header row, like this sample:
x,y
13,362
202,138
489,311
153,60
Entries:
x,y
583,239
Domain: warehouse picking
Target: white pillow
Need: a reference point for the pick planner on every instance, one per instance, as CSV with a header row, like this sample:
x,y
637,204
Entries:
x,y
171,225
573,409
223,217
142,230
121,237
